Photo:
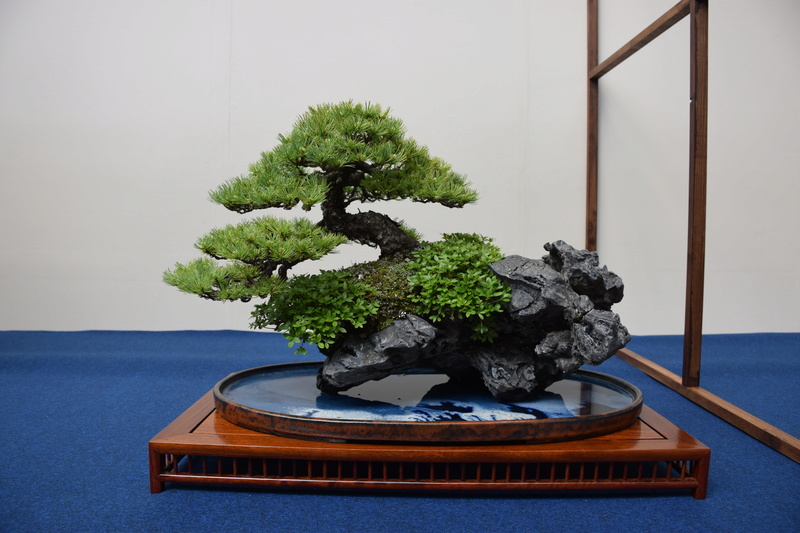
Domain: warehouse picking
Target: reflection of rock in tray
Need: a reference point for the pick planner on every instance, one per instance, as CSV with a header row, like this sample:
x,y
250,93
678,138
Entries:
x,y
421,405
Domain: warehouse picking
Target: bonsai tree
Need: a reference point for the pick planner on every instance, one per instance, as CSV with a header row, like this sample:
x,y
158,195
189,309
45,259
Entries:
x,y
335,156
432,304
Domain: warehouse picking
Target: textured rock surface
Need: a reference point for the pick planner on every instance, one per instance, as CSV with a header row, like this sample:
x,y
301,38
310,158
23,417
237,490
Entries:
x,y
558,319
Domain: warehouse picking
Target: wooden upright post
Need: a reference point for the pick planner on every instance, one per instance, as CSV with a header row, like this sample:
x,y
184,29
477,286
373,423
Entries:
x,y
592,128
698,123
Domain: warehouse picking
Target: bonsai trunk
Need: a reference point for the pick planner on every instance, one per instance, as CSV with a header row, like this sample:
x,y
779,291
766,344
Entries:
x,y
370,228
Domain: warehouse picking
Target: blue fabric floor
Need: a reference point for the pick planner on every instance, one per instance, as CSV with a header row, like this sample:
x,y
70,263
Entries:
x,y
80,408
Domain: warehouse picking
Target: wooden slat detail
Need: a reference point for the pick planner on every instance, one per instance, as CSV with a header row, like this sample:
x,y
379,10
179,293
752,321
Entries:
x,y
258,459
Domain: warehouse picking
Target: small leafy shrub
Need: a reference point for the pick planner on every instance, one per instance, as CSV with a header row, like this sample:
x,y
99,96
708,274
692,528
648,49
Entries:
x,y
450,280
317,309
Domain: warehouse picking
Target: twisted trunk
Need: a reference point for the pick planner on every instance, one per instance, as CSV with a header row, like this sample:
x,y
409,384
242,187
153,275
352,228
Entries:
x,y
370,228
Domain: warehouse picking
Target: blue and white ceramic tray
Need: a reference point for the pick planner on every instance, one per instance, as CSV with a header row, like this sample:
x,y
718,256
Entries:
x,y
422,406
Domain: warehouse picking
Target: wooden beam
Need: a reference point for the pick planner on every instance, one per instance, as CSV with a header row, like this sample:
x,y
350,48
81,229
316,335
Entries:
x,y
755,427
592,148
662,24
696,243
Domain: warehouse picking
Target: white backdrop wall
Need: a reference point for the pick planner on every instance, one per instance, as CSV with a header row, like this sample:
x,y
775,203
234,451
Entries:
x,y
117,118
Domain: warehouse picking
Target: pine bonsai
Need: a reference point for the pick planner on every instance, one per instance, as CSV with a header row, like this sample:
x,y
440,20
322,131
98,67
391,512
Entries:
x,y
335,156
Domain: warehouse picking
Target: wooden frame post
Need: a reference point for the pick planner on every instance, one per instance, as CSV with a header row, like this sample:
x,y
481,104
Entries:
x,y
592,147
698,132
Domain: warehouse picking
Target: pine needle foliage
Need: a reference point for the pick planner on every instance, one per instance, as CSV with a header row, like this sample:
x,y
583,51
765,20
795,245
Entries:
x,y
220,281
272,182
270,239
252,252
358,147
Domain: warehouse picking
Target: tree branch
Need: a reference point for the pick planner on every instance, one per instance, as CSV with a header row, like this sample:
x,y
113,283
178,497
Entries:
x,y
370,228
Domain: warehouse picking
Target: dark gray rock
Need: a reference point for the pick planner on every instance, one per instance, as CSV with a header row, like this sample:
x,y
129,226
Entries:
x,y
558,319
399,347
581,268
508,374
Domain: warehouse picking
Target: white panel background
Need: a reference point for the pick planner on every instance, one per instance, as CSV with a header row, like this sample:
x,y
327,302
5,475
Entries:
x,y
117,118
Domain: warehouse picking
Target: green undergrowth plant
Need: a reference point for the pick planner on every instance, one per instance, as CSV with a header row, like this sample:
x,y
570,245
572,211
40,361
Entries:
x,y
317,309
443,280
322,308
450,280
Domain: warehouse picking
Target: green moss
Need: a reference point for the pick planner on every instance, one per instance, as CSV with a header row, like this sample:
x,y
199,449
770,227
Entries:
x,y
388,278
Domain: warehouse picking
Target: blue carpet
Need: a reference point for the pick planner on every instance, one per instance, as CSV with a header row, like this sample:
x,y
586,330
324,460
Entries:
x,y
81,407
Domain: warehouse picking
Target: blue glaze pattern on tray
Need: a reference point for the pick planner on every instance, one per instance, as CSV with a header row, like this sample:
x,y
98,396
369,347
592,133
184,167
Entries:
x,y
418,396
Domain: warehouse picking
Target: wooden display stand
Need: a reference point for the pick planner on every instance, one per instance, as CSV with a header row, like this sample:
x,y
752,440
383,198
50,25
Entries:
x,y
201,447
